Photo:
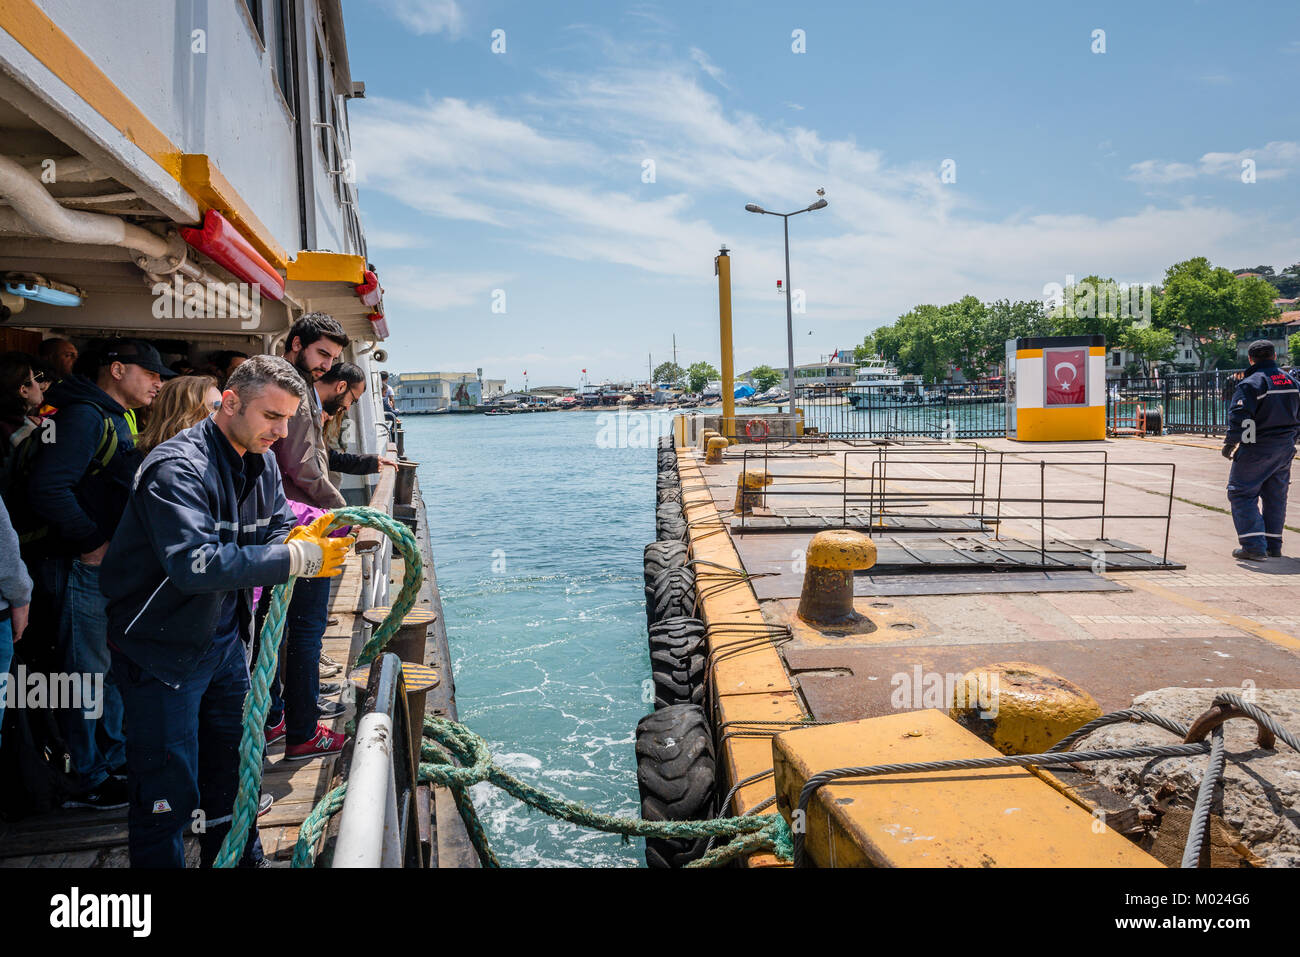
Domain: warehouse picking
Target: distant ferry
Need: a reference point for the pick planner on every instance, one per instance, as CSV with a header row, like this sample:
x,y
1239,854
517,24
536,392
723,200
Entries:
x,y
878,385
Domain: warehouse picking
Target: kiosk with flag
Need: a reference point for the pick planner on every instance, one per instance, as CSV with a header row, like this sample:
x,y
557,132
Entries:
x,y
1056,388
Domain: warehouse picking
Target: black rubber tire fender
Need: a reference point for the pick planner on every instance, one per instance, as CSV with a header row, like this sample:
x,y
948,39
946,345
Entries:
x,y
676,773
657,558
671,530
678,654
673,595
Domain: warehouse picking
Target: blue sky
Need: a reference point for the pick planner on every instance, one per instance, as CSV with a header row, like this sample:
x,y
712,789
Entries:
x,y
523,171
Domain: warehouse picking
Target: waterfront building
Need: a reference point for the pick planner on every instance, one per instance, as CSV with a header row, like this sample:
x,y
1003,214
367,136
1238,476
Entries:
x,y
426,392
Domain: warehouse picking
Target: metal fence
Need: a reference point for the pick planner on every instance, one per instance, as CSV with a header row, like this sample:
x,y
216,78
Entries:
x,y
1190,402
965,410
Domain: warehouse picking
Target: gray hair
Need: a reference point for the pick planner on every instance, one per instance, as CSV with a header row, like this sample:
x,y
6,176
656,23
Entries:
x,y
253,376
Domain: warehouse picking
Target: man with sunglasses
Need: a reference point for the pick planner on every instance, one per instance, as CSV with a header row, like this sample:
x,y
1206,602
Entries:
x,y
77,489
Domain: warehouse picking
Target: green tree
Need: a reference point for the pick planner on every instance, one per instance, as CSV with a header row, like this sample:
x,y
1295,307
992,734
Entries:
x,y
866,350
1148,345
670,373
700,374
1214,306
1097,306
1293,347
764,377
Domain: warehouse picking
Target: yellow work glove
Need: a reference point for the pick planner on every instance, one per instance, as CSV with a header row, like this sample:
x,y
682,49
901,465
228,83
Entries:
x,y
313,554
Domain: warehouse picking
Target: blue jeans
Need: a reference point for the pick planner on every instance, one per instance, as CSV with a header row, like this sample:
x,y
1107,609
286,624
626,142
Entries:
x,y
300,647
183,755
94,737
6,656
1260,474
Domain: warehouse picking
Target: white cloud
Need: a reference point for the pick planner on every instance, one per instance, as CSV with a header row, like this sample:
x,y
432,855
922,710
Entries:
x,y
428,16
420,290
708,66
560,174
1273,160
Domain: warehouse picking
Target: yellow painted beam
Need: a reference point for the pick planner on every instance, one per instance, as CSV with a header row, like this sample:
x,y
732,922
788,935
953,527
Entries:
x,y
997,817
202,180
42,38
312,266
45,40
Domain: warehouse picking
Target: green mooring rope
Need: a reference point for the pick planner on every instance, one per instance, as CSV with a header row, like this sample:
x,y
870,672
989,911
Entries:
x,y
257,703
752,834
442,738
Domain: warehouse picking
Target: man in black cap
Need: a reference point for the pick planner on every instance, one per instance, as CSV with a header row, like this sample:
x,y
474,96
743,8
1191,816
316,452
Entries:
x,y
1263,421
76,491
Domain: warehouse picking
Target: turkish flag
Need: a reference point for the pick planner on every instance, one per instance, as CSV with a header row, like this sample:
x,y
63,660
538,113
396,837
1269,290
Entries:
x,y
1066,374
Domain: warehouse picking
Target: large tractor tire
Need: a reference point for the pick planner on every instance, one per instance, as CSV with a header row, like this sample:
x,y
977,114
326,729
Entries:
x,y
667,510
671,530
666,495
677,660
658,558
665,441
676,772
672,595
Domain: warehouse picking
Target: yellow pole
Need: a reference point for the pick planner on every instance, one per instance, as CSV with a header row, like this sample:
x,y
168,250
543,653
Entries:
x,y
722,266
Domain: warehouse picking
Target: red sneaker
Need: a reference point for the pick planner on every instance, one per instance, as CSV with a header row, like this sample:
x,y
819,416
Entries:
x,y
276,733
325,742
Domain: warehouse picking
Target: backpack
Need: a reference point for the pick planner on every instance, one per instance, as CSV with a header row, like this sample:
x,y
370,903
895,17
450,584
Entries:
x,y
16,468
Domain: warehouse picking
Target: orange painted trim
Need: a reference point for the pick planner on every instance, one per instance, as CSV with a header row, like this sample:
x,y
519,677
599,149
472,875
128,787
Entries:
x,y
313,266
42,38
45,40
202,180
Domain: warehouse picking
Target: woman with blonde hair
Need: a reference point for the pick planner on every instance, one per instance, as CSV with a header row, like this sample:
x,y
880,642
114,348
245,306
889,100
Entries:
x,y
182,402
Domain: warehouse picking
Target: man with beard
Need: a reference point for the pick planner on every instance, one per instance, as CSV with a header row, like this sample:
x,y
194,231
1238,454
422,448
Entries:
x,y
338,390
314,344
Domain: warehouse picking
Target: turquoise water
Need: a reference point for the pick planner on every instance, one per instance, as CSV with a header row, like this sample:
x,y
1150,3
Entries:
x,y
537,523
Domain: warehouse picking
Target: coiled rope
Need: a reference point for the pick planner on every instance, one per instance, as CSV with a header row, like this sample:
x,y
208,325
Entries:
x,y
252,744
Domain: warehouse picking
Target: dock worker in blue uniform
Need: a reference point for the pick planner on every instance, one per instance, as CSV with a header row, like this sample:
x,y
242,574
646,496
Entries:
x,y
1263,421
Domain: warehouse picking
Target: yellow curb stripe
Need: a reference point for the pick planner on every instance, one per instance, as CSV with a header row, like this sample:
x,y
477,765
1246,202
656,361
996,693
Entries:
x,y
1236,621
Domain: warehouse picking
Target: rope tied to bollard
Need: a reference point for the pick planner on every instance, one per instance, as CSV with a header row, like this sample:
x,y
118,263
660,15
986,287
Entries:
x,y
445,739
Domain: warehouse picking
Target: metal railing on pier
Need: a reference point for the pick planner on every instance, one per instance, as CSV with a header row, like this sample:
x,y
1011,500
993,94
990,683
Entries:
x,y
965,410
953,486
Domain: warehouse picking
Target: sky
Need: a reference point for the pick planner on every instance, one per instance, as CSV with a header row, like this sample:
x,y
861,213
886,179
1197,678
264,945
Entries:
x,y
544,186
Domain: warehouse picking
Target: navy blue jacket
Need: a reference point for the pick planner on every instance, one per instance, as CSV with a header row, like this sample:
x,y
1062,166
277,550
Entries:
x,y
189,537
83,510
1270,398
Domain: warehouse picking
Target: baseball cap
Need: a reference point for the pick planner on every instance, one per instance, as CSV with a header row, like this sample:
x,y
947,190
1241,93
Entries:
x,y
137,352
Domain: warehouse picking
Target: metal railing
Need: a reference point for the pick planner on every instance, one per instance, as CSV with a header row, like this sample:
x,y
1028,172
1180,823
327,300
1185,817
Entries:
x,y
378,825
909,482
948,410
1191,402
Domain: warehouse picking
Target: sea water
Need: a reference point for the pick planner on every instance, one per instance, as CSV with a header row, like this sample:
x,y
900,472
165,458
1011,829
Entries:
x,y
537,524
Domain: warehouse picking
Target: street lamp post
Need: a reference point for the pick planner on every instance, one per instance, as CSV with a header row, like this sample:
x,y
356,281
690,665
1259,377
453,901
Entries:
x,y
789,312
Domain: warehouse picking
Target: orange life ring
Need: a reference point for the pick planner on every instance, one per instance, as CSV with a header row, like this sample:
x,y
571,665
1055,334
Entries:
x,y
749,430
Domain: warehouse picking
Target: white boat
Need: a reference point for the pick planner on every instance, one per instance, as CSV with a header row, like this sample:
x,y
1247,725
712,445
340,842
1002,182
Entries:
x,y
878,385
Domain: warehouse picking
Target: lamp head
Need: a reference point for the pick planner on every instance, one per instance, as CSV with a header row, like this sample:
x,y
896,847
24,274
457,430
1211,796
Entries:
x,y
754,208
820,204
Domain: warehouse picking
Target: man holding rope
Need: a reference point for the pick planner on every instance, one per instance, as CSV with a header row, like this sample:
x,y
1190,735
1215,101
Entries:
x,y
206,522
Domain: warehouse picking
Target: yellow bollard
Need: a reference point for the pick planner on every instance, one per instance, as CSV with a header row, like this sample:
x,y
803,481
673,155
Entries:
x,y
1021,708
832,558
749,489
713,451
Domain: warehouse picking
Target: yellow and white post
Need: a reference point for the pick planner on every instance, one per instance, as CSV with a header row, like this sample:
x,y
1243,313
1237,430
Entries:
x,y
1056,388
